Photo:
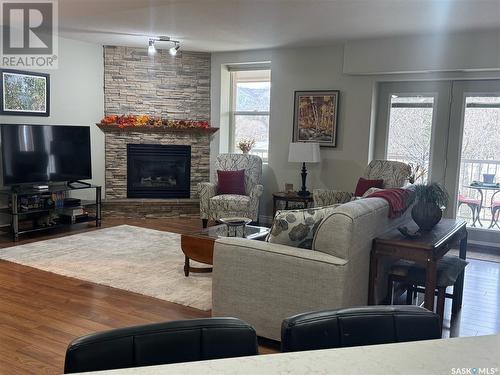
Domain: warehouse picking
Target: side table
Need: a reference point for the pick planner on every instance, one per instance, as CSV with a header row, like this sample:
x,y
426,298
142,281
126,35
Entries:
x,y
426,251
290,197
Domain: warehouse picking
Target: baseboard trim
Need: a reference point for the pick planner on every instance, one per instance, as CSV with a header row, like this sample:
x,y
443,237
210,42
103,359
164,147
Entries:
x,y
491,245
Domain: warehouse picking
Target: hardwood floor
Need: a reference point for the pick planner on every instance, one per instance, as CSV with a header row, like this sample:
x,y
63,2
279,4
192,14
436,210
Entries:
x,y
41,312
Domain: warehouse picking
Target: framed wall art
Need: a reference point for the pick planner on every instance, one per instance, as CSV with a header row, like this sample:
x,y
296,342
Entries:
x,y
316,117
24,93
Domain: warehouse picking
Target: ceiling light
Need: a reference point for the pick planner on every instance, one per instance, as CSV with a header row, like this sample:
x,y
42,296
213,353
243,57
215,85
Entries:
x,y
154,40
151,48
174,49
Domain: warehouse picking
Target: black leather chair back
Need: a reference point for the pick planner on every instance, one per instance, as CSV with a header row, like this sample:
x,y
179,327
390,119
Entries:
x,y
162,343
358,326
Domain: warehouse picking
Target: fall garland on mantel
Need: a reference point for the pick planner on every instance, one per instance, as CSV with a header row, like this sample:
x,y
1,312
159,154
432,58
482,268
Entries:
x,y
145,121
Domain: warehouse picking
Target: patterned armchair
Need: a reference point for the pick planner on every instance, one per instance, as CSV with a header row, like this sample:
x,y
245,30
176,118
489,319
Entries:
x,y
394,173
214,207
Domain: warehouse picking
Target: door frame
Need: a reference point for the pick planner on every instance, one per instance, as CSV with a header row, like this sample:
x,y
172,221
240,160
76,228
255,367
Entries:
x,y
460,90
447,132
441,91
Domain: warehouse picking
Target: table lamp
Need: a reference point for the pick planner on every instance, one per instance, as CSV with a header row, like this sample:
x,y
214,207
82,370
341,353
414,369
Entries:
x,y
301,152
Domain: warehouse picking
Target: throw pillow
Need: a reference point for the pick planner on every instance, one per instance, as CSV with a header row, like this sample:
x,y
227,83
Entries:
x,y
231,182
297,227
364,184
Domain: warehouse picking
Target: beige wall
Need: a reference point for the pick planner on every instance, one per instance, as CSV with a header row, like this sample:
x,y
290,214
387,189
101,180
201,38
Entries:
x,y
312,69
476,51
306,69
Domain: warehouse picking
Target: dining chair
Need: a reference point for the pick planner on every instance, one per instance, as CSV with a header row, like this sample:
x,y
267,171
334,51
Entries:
x,y
161,343
358,326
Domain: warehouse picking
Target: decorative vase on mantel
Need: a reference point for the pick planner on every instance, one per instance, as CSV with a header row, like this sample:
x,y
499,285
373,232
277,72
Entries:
x,y
430,201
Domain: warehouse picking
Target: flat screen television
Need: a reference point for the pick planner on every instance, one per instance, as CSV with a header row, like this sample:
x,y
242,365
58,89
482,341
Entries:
x,y
34,154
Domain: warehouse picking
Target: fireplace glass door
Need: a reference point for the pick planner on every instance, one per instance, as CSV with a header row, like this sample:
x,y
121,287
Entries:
x,y
158,171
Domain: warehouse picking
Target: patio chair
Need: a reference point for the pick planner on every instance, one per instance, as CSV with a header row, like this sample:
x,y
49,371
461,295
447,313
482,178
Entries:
x,y
495,214
473,204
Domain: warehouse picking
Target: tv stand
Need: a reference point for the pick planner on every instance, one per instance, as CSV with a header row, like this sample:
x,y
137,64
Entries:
x,y
34,210
81,185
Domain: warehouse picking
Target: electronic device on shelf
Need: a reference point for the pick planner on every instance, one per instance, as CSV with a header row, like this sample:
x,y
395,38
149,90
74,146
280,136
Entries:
x,y
72,202
41,187
39,155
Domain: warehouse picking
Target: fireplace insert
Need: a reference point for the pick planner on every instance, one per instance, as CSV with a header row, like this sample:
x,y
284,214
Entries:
x,y
158,171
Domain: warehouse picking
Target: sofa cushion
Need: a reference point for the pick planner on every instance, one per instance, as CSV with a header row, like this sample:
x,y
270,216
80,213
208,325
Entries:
x,y
297,227
362,220
231,182
364,184
228,205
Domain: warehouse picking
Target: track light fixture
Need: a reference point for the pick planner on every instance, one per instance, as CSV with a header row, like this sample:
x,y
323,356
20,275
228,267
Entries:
x,y
152,45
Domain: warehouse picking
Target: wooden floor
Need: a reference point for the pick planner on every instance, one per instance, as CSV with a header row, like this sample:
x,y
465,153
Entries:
x,y
40,312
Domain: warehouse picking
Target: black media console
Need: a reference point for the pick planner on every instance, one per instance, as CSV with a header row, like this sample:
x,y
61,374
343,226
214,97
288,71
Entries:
x,y
33,210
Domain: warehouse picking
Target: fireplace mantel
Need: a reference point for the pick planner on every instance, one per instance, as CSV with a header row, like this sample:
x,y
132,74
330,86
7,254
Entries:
x,y
155,129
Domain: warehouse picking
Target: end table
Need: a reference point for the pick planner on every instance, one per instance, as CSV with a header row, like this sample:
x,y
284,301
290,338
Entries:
x,y
290,197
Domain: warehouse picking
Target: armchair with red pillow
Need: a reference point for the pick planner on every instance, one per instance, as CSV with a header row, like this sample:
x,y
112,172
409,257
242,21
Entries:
x,y
384,174
236,190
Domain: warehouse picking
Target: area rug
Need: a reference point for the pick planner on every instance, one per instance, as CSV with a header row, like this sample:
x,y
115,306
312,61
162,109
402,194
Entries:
x,y
140,260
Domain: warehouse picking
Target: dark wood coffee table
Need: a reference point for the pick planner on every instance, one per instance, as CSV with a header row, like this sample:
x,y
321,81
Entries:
x,y
199,246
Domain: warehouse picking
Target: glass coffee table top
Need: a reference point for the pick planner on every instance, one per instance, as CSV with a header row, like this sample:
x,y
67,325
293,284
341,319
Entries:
x,y
249,231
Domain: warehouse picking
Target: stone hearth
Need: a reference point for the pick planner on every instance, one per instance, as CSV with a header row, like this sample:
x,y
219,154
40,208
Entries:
x,y
116,202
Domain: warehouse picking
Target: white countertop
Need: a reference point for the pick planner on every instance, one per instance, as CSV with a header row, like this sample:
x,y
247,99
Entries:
x,y
445,356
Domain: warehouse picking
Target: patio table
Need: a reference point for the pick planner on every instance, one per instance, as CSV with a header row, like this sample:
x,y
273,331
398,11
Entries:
x,y
481,189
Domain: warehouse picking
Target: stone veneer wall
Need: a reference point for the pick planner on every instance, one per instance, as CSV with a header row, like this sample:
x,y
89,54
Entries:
x,y
116,157
171,87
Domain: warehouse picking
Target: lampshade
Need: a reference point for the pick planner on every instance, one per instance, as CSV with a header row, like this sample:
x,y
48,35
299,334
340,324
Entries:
x,y
304,153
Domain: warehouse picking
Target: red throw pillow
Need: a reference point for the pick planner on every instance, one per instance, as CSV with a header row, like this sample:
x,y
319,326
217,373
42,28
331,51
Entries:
x,y
364,185
231,182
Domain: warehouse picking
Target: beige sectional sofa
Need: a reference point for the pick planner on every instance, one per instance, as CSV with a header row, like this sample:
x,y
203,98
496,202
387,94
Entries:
x,y
263,283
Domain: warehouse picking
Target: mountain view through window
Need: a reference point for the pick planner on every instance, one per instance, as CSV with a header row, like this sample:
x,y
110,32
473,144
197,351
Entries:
x,y
251,103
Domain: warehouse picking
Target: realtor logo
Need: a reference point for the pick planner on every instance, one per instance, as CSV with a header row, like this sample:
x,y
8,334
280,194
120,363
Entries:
x,y
29,37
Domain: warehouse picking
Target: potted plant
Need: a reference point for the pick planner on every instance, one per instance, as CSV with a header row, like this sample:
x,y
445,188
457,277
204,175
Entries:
x,y
245,145
430,201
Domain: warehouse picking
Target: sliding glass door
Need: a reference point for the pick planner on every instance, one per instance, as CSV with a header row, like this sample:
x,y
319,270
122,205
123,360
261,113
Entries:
x,y
449,131
473,160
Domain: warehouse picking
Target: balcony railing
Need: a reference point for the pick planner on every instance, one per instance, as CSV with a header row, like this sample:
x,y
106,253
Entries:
x,y
473,170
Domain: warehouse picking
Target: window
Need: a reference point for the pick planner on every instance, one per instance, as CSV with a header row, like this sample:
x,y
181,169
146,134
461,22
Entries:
x,y
250,93
410,131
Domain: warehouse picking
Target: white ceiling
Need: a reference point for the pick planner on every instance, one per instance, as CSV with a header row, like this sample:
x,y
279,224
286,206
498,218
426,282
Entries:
x,y
228,25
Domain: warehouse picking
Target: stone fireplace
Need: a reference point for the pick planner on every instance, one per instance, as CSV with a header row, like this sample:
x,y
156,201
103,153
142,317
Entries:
x,y
166,167
158,171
